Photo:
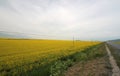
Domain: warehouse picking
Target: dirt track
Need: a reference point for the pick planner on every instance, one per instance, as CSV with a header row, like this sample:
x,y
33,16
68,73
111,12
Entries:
x,y
115,70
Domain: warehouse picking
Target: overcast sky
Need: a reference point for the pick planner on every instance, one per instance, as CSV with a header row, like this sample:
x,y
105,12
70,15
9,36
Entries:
x,y
62,19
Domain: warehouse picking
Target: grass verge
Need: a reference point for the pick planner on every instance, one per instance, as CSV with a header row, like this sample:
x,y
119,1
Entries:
x,y
59,67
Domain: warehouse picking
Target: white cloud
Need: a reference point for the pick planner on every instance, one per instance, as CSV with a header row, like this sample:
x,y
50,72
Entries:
x,y
94,19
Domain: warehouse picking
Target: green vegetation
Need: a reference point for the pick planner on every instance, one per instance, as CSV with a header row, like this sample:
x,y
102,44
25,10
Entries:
x,y
89,53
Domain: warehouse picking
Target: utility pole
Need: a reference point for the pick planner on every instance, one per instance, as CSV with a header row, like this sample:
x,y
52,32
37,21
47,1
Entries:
x,y
73,42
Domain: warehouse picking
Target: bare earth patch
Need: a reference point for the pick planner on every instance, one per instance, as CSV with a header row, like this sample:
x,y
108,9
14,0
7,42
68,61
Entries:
x,y
95,67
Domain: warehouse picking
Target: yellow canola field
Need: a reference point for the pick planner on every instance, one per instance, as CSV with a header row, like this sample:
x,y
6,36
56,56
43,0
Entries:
x,y
23,55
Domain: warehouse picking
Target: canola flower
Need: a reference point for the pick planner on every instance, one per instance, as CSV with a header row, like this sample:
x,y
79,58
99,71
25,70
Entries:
x,y
17,56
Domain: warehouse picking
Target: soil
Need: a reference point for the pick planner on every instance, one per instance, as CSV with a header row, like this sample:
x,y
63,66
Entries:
x,y
95,67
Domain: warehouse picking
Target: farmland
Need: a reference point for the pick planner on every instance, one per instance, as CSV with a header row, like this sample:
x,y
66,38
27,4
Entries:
x,y
117,42
33,57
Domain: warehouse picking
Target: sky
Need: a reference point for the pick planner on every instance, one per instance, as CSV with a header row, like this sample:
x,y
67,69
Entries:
x,y
62,19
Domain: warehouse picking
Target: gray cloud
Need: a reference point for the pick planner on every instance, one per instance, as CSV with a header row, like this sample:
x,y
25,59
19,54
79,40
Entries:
x,y
61,19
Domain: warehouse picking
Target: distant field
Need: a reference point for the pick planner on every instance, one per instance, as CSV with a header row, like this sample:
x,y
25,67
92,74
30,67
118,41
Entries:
x,y
117,42
29,57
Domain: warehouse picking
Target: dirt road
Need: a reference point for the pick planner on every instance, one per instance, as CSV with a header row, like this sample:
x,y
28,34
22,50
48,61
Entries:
x,y
115,70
